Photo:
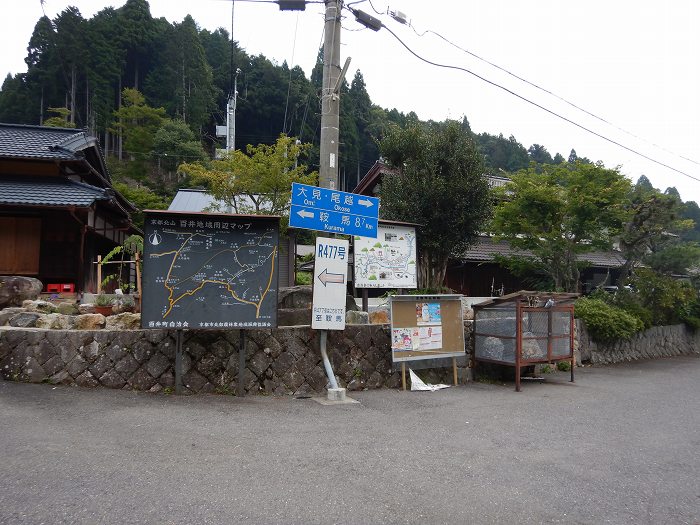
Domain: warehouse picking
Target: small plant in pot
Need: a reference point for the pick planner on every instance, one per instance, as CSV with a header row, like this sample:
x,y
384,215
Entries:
x,y
104,304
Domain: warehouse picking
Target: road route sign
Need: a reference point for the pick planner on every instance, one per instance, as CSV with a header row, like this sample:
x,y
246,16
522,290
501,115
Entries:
x,y
330,282
209,271
389,261
332,211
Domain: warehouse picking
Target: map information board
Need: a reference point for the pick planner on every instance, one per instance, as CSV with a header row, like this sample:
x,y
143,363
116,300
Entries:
x,y
389,261
209,271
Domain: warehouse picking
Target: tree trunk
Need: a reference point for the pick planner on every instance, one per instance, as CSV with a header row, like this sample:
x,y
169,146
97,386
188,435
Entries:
x,y
73,76
431,272
120,139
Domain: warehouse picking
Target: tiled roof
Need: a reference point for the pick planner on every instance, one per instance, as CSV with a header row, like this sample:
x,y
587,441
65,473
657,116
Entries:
x,y
50,191
41,142
486,249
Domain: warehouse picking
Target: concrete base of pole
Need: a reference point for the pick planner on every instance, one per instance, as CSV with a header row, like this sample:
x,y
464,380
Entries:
x,y
336,394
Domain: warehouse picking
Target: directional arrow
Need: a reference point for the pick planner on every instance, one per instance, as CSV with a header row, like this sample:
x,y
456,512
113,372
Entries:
x,y
326,277
307,214
365,202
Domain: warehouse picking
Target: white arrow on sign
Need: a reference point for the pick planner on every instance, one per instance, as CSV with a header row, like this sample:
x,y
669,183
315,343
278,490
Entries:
x,y
365,202
326,277
307,214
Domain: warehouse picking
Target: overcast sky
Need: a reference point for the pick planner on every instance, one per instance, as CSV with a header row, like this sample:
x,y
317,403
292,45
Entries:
x,y
634,64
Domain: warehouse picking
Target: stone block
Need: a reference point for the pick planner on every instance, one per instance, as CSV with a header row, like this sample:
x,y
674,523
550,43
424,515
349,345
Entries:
x,y
294,317
90,351
61,378
126,366
87,308
274,347
111,379
8,313
86,379
210,365
90,322
157,364
24,320
15,289
115,352
141,380
44,351
194,380
66,308
258,363
124,321
53,365
316,378
356,317
283,363
380,316
33,372
100,366
77,366
221,348
167,379
155,336
142,350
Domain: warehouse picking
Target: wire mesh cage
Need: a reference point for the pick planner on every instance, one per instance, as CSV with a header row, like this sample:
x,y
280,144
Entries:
x,y
523,329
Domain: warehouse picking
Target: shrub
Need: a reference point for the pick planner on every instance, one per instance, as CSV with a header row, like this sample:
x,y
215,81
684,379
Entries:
x,y
605,322
564,366
666,298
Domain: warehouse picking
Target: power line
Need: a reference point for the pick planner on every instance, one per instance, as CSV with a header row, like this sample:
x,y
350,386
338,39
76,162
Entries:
x,y
599,135
550,93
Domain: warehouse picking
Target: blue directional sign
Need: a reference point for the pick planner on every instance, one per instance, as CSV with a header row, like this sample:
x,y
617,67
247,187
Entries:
x,y
333,211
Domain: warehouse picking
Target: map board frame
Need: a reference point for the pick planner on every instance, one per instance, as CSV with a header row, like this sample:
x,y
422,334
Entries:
x,y
246,244
426,327
390,260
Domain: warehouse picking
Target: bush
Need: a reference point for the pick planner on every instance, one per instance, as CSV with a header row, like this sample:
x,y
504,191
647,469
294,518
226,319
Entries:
x,y
564,366
605,322
666,298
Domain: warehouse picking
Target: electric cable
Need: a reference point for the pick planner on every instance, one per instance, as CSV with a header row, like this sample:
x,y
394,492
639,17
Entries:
x,y
524,99
583,110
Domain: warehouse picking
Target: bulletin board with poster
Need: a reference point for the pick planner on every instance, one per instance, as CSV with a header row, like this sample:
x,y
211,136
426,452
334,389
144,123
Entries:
x,y
426,327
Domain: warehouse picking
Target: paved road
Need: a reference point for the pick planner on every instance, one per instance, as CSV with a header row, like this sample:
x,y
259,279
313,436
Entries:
x,y
622,445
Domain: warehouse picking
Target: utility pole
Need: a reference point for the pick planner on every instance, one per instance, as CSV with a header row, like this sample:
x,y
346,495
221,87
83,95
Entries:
x,y
330,97
231,115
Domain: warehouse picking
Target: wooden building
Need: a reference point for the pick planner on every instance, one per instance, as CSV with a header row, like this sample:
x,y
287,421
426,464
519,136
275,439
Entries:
x,y
58,209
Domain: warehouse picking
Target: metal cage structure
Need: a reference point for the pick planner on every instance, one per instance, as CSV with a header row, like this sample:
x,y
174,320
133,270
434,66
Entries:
x,y
524,328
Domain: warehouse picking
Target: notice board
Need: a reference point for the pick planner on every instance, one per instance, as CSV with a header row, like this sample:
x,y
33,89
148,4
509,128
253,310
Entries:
x,y
209,271
426,327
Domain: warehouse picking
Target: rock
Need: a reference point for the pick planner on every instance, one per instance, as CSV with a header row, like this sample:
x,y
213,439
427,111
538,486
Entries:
x,y
90,322
55,322
8,313
295,297
86,308
293,316
356,317
491,349
15,289
43,307
124,321
67,308
380,316
468,314
24,320
531,348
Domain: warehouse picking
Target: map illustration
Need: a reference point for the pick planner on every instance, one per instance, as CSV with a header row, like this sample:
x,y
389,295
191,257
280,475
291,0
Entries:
x,y
389,261
204,271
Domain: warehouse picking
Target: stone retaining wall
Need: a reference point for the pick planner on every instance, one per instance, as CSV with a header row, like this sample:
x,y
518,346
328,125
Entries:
x,y
657,341
280,361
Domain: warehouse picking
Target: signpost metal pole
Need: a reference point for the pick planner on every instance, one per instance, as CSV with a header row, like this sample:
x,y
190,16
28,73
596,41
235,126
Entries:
x,y
178,362
241,364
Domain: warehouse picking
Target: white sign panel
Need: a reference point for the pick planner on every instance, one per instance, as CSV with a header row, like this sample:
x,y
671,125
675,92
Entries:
x,y
330,282
389,261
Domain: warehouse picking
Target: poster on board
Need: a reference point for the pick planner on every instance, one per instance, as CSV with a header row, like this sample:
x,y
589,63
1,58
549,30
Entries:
x,y
389,261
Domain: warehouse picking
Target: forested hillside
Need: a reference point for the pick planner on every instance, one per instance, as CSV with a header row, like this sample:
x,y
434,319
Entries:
x,y
123,69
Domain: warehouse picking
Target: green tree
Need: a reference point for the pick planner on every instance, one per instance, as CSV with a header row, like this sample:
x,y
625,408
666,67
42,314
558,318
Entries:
x,y
441,186
173,144
137,123
651,226
143,199
539,154
560,211
258,181
60,120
